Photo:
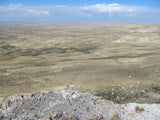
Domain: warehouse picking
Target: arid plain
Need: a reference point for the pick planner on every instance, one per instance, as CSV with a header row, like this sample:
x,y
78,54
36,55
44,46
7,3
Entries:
x,y
107,59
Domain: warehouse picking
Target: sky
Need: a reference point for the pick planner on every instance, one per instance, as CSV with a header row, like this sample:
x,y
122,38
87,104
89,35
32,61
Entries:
x,y
80,11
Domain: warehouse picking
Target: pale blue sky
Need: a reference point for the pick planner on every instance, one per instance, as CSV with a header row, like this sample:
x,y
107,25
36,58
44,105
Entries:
x,y
80,10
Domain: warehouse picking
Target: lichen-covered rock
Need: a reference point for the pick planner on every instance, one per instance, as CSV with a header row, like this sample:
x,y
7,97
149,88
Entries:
x,y
73,105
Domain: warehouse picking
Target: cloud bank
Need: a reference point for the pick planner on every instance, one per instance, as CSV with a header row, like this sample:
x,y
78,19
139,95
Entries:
x,y
22,10
112,9
98,12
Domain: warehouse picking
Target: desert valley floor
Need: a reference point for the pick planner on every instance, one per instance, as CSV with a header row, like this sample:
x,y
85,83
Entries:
x,y
102,58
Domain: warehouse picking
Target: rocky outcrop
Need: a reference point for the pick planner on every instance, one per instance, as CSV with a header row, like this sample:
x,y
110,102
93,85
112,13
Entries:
x,y
73,105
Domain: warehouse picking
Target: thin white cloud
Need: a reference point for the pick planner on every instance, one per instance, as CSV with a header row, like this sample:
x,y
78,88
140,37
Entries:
x,y
115,8
20,9
37,12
